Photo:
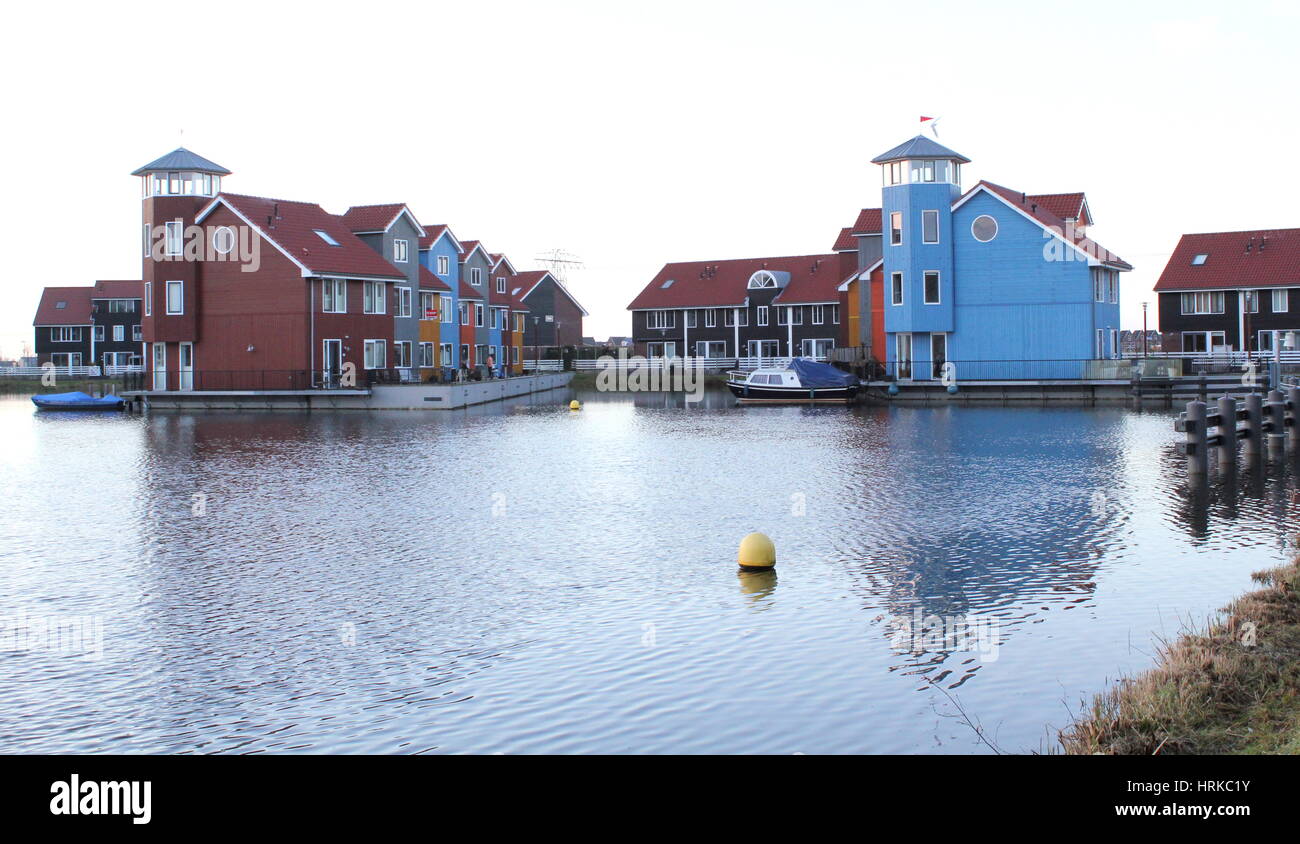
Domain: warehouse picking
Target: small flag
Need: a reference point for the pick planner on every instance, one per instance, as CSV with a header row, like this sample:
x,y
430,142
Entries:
x,y
932,123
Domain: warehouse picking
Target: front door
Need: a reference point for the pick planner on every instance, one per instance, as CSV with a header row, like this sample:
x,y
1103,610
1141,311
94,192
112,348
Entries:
x,y
160,366
331,362
938,354
903,355
187,366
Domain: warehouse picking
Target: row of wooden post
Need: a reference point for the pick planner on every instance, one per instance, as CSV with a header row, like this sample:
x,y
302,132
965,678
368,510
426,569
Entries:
x,y
1257,423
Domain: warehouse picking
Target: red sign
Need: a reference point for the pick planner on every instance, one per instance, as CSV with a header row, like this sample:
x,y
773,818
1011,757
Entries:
x,y
431,313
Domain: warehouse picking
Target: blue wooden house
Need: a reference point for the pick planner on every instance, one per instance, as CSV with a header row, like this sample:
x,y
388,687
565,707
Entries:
x,y
440,254
1000,283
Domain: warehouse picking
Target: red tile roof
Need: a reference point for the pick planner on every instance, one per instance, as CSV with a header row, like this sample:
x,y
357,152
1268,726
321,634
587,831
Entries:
x,y
467,248
133,289
372,218
75,310
469,291
846,241
294,230
868,222
429,281
431,235
1039,212
1063,205
1273,259
703,284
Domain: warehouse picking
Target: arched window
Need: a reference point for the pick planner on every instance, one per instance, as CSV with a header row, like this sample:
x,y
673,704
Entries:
x,y
762,280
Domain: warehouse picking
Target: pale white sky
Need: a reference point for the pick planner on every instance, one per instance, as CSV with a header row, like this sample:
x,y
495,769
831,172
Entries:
x,y
635,134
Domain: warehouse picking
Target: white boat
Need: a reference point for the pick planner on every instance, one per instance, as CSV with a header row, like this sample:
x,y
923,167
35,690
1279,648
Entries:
x,y
799,382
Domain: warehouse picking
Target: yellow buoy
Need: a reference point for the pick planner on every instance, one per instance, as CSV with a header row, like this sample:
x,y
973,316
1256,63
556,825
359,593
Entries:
x,y
757,553
575,405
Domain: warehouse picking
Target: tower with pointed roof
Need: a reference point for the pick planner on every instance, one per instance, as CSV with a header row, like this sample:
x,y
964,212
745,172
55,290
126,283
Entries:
x,y
921,178
174,188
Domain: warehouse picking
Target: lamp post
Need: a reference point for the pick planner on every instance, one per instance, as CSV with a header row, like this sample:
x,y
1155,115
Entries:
x,y
1144,328
536,362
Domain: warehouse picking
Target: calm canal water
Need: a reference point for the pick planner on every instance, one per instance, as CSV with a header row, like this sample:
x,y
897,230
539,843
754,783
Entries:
x,y
522,578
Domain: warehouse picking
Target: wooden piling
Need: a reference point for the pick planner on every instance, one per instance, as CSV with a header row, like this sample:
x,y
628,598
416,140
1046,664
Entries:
x,y
1254,425
1227,447
1276,409
1194,425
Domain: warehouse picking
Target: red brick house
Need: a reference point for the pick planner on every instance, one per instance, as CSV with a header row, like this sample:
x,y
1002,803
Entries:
x,y
244,292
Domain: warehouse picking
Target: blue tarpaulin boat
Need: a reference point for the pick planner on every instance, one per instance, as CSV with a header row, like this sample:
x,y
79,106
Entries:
x,y
800,381
76,401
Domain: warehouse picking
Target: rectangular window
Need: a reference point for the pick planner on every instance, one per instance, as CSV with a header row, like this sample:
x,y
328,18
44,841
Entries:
x,y
478,316
426,355
376,354
1098,288
99,333
65,334
121,306
427,307
931,287
929,226
148,298
148,240
476,276
761,316
896,289
691,318
175,297
374,298
403,301
1281,301
661,319
175,232
1250,301
334,295
399,251
1112,286
119,333
464,313
818,314
442,265
137,333
896,228
835,314
501,284
444,354
444,309
1202,303
402,354
1114,343
711,318
782,315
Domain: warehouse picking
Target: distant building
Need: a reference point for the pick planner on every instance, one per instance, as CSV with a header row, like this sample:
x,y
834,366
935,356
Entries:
x,y
1230,290
555,316
99,325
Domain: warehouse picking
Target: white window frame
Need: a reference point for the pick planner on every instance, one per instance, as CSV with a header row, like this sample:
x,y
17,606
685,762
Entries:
x,y
711,318
478,315
1281,295
501,284
335,291
1205,302
174,244
403,354
148,298
690,318
464,313
476,276
374,299
818,314
426,354
445,310
1249,301
924,215
369,354
180,285
761,317
403,302
148,240
895,217
443,264
938,287
119,334
99,333
897,289
658,319
401,250
137,333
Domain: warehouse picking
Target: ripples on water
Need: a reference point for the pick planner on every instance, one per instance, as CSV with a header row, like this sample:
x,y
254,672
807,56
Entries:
x,y
522,578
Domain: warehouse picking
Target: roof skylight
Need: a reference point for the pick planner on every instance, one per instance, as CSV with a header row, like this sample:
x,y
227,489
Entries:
x,y
325,236
1199,259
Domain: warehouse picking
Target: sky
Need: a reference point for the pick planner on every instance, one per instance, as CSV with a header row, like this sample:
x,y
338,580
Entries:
x,y
631,135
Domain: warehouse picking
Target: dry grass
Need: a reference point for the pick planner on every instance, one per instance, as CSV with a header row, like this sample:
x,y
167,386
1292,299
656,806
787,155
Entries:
x,y
1218,691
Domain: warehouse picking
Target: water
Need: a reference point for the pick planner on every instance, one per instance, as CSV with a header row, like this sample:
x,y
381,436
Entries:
x,y
523,578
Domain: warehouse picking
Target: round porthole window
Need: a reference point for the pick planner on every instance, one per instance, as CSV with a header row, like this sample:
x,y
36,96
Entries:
x,y
984,229
223,240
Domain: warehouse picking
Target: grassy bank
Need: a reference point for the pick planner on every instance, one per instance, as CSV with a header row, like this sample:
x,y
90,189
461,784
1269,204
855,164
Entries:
x,y
33,386
1234,688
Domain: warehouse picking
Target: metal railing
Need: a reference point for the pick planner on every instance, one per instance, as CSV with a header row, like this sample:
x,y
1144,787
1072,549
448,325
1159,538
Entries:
x,y
1073,369
68,371
707,364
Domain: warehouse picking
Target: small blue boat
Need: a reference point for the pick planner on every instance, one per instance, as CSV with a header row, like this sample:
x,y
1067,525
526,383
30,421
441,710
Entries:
x,y
76,401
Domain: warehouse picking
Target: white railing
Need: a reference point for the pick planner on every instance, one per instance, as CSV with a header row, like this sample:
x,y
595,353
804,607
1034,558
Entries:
x,y
708,364
68,371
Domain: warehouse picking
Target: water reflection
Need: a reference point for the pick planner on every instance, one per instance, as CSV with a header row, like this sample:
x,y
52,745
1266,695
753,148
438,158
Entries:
x,y
483,580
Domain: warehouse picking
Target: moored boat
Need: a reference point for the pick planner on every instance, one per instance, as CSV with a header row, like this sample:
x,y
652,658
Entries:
x,y
76,401
799,382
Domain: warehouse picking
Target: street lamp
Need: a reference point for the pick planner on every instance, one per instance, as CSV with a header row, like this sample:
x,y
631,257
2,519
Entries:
x,y
1144,328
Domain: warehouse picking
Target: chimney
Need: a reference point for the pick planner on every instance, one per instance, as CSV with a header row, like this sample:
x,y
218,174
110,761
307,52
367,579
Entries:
x,y
1250,244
